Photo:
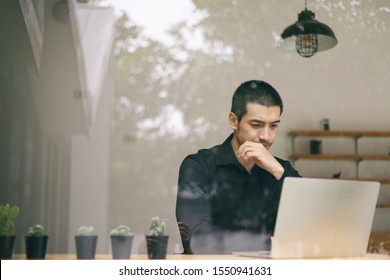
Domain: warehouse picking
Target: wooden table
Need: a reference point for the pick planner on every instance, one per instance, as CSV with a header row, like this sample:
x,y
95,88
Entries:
x,y
180,257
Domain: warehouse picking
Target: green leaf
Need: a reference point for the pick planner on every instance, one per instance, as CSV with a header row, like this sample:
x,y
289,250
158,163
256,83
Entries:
x,y
13,212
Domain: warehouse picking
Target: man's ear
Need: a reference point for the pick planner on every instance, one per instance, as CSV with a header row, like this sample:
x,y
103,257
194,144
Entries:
x,y
233,121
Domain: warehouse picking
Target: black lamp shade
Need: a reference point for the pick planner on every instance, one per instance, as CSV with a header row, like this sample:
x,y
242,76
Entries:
x,y
307,25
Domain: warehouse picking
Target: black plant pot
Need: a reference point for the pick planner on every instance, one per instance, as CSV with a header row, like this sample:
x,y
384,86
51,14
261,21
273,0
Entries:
x,y
121,246
86,246
6,247
157,246
36,247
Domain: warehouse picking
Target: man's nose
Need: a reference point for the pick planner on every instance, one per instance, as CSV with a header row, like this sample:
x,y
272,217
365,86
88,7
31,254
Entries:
x,y
264,134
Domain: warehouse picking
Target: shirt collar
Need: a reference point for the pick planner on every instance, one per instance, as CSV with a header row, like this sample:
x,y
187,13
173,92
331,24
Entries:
x,y
225,154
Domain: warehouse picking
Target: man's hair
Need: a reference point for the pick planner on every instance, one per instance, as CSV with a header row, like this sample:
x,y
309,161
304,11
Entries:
x,y
254,91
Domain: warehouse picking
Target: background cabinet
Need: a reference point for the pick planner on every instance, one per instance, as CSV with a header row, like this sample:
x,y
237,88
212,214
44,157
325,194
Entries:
x,y
356,156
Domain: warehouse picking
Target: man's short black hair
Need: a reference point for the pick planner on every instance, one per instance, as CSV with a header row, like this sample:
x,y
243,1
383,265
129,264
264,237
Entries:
x,y
254,91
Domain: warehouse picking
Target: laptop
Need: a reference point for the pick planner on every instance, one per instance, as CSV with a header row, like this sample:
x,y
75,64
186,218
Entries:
x,y
322,218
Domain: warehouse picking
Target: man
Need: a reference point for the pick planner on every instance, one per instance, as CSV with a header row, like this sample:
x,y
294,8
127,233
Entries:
x,y
228,195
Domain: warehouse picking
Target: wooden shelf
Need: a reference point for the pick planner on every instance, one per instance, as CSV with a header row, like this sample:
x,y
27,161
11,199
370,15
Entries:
x,y
380,180
356,157
383,205
339,157
339,133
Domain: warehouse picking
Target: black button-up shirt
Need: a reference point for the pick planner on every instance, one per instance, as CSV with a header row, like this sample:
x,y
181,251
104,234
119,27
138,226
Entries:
x,y
219,199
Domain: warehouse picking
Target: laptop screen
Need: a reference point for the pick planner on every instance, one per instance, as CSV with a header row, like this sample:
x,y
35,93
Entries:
x,y
324,218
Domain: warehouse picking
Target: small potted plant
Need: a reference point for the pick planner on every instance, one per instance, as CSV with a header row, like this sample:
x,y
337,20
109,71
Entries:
x,y
86,243
121,242
7,231
36,243
157,240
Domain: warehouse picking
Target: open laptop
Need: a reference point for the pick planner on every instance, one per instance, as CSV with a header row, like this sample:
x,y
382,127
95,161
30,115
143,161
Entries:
x,y
322,218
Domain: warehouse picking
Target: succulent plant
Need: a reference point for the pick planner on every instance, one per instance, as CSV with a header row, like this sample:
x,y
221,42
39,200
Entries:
x,y
36,230
121,230
157,228
84,230
7,216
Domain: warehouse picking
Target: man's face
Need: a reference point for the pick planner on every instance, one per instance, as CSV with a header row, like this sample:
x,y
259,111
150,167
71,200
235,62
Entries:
x,y
260,124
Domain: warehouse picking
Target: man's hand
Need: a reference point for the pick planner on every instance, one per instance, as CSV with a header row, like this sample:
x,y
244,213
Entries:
x,y
185,235
251,153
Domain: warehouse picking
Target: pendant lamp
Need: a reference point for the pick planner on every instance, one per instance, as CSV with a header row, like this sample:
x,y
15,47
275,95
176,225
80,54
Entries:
x,y
307,36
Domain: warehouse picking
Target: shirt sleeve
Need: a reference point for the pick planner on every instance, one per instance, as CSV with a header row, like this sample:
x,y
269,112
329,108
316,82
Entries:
x,y
289,171
193,209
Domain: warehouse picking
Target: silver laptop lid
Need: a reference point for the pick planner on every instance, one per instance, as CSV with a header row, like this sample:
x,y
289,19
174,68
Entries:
x,y
324,218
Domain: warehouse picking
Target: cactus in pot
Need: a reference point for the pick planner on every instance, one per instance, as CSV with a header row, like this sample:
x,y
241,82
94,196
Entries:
x,y
7,230
86,242
157,239
121,242
36,242
7,217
